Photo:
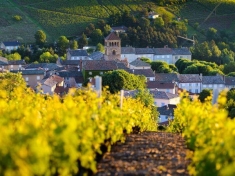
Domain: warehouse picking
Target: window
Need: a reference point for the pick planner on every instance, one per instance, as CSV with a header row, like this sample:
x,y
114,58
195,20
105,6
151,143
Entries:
x,y
210,85
38,77
101,73
162,104
176,57
190,84
168,56
221,85
190,90
167,90
183,84
166,117
196,90
196,84
90,73
114,52
26,79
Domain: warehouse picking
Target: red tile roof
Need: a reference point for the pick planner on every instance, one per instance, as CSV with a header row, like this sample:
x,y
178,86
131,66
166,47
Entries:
x,y
112,36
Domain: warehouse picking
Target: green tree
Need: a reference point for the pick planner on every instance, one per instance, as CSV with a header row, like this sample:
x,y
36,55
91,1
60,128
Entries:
x,y
47,57
97,36
230,67
145,59
40,37
83,41
14,56
204,94
211,34
9,81
74,45
230,104
159,22
63,44
120,79
100,47
161,67
232,74
147,98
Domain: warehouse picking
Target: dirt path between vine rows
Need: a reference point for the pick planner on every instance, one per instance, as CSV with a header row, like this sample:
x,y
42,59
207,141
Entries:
x,y
147,153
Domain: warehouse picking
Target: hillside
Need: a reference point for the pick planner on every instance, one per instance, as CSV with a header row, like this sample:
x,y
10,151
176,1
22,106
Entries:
x,y
69,18
58,17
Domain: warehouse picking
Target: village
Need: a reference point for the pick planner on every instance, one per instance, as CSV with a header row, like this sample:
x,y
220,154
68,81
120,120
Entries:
x,y
59,77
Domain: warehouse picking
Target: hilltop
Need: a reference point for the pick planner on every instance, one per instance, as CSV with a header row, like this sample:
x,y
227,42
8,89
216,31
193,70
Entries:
x,y
69,18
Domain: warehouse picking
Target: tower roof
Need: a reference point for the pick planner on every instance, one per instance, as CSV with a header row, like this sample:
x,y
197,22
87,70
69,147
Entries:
x,y
112,36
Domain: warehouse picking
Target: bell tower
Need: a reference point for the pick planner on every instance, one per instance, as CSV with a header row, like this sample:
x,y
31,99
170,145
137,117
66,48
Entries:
x,y
112,45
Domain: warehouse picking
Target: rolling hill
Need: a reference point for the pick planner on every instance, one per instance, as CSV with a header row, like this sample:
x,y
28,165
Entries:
x,y
69,18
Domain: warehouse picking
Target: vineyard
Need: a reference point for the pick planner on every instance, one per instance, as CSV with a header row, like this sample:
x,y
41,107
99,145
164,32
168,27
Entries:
x,y
61,17
209,134
49,135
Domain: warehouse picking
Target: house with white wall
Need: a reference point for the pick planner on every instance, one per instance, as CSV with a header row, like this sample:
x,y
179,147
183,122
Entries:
x,y
162,98
179,53
229,82
128,53
190,82
9,45
163,54
213,82
78,54
161,86
166,113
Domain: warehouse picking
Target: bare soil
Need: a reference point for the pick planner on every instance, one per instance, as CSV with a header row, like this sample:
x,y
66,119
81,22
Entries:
x,y
147,153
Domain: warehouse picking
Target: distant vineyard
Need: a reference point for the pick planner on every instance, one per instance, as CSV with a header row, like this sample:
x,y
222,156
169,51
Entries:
x,y
69,18
227,7
59,23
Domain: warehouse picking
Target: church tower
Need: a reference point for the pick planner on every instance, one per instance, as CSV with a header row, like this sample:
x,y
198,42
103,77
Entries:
x,y
112,45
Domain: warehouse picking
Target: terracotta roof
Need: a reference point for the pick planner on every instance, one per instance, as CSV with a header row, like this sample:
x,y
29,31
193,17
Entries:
x,y
166,77
189,78
78,52
112,36
127,50
212,80
229,80
139,63
144,72
158,85
162,95
99,65
52,80
144,51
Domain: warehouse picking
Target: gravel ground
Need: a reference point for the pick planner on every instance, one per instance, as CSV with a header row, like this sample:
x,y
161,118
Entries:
x,y
147,153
